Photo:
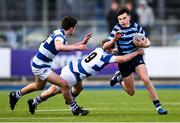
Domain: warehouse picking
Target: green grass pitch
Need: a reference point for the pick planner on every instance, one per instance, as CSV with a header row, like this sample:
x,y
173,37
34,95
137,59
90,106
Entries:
x,y
104,106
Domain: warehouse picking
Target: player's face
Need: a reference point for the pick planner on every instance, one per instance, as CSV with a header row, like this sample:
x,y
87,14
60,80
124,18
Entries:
x,y
71,31
124,20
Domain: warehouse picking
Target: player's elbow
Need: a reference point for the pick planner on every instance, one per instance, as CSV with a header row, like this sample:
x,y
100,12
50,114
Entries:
x,y
58,48
131,93
61,49
148,43
125,59
121,59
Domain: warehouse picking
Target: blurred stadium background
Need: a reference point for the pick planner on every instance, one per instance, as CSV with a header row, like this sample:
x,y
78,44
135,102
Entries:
x,y
24,24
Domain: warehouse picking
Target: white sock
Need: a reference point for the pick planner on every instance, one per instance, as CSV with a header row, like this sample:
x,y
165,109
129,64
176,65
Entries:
x,y
37,100
18,94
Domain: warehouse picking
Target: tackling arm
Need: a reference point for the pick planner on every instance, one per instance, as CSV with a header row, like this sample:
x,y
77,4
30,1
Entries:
x,y
110,43
127,57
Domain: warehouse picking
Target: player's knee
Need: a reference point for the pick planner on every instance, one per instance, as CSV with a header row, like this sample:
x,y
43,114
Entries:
x,y
65,86
131,93
52,91
81,89
39,87
146,80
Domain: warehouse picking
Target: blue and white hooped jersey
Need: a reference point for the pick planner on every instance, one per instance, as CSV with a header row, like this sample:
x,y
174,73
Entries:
x,y
91,64
125,44
47,50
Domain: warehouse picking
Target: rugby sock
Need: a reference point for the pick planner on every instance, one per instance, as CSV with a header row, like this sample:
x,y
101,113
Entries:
x,y
37,100
157,104
18,94
74,95
73,106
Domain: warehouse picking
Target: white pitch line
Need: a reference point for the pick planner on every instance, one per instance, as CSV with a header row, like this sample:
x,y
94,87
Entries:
x,y
53,110
169,103
94,109
101,109
35,118
92,122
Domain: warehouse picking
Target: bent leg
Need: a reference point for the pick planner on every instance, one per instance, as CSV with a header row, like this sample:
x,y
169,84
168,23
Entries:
x,y
128,84
55,79
51,91
76,89
14,96
37,85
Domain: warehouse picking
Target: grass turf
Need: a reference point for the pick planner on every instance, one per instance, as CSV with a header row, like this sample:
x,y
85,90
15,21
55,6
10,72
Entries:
x,y
104,106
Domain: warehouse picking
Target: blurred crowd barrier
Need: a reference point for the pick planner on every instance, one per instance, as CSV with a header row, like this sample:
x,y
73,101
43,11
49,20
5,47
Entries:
x,y
30,34
17,63
161,62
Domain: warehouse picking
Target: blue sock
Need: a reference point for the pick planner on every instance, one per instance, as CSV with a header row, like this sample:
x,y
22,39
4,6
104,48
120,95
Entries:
x,y
157,104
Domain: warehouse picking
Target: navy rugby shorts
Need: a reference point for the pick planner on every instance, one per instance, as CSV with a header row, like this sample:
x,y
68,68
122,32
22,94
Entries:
x,y
129,67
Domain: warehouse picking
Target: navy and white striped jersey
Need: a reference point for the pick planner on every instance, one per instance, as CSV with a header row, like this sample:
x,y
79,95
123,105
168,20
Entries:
x,y
91,64
47,50
125,44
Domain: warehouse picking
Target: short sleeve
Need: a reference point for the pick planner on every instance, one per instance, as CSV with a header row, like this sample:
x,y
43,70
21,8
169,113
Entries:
x,y
109,58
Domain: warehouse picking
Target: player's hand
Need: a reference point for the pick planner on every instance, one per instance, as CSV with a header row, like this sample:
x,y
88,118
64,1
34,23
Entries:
x,y
117,36
86,38
139,42
82,47
141,51
142,43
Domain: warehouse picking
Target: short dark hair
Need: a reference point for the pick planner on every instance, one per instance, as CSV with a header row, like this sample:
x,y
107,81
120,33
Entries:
x,y
68,22
123,10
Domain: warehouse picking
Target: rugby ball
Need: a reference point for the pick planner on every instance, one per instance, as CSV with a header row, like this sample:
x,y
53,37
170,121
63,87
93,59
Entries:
x,y
138,37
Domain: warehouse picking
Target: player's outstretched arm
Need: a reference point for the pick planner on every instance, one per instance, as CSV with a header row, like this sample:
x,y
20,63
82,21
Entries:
x,y
127,57
66,48
85,40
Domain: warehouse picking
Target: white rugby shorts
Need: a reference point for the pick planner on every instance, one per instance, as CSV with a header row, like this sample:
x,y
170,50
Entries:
x,y
67,75
42,73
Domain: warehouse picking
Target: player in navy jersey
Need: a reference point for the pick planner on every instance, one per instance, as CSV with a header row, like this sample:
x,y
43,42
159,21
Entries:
x,y
125,46
80,69
41,63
